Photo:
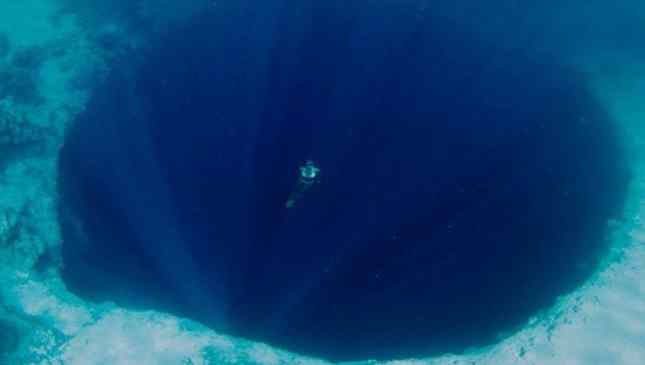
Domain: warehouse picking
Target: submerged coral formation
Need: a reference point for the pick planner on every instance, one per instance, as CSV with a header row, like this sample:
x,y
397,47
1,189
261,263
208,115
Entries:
x,y
17,134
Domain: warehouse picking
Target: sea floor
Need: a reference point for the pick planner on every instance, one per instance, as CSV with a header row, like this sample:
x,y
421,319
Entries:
x,y
603,322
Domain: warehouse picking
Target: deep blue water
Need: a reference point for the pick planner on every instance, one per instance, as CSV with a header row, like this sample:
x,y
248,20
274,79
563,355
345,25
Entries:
x,y
464,183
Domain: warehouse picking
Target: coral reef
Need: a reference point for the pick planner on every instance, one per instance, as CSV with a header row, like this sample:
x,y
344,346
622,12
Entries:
x,y
19,75
17,134
20,84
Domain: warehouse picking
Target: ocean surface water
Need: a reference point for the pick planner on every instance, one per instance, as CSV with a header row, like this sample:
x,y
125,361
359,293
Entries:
x,y
342,180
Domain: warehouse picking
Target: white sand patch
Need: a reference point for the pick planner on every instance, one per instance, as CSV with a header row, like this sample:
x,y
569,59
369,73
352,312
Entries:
x,y
263,354
65,314
132,338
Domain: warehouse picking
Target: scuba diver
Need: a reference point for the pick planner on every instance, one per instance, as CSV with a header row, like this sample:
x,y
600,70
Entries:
x,y
309,175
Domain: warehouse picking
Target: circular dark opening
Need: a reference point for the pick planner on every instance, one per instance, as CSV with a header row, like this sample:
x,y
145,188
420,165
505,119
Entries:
x,y
462,186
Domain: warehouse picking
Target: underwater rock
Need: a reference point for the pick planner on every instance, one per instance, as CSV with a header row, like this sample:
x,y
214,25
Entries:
x,y
9,339
30,58
18,135
19,84
5,46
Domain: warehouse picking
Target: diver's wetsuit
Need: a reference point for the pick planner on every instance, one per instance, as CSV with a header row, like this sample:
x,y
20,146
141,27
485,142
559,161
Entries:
x,y
308,176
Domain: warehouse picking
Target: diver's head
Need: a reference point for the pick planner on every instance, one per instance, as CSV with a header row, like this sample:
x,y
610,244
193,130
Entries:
x,y
309,171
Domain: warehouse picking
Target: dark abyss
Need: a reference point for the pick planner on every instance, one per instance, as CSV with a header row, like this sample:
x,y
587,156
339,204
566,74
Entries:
x,y
463,185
